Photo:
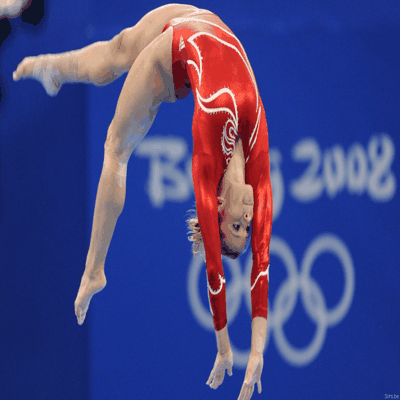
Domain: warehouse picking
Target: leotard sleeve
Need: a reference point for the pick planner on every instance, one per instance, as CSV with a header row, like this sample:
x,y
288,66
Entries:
x,y
258,176
205,173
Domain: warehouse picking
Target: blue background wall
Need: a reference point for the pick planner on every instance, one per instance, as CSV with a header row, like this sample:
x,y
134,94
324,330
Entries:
x,y
328,74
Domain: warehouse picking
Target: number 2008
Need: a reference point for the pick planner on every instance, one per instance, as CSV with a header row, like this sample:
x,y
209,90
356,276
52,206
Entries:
x,y
360,170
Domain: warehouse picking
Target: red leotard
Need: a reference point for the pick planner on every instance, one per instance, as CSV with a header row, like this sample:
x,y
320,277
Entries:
x,y
208,59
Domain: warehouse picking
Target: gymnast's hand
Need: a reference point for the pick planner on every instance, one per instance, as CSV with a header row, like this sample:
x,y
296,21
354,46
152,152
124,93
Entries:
x,y
217,375
43,70
253,375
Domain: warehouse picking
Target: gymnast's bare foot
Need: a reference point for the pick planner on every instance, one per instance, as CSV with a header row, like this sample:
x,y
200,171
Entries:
x,y
42,69
90,285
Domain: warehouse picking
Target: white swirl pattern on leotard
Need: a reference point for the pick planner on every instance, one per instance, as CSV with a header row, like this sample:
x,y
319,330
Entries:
x,y
228,139
262,273
181,43
221,283
246,62
229,135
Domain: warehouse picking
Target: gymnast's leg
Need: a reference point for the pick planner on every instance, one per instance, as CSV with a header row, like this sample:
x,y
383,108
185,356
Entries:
x,y
102,62
148,84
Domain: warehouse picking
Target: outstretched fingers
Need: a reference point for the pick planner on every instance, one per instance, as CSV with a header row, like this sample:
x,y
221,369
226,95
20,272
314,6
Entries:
x,y
246,392
218,379
251,392
217,374
243,393
211,377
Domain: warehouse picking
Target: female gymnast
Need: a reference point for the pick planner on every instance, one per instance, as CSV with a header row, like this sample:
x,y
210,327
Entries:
x,y
171,51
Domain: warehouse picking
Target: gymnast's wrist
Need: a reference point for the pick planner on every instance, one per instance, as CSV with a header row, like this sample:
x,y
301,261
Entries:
x,y
223,343
258,335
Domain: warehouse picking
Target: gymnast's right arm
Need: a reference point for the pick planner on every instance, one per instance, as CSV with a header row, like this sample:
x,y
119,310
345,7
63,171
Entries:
x,y
205,182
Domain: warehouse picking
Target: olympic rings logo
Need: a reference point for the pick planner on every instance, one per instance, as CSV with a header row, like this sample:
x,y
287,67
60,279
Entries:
x,y
285,301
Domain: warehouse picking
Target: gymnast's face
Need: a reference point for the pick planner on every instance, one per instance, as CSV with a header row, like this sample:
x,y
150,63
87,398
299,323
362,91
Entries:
x,y
236,214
